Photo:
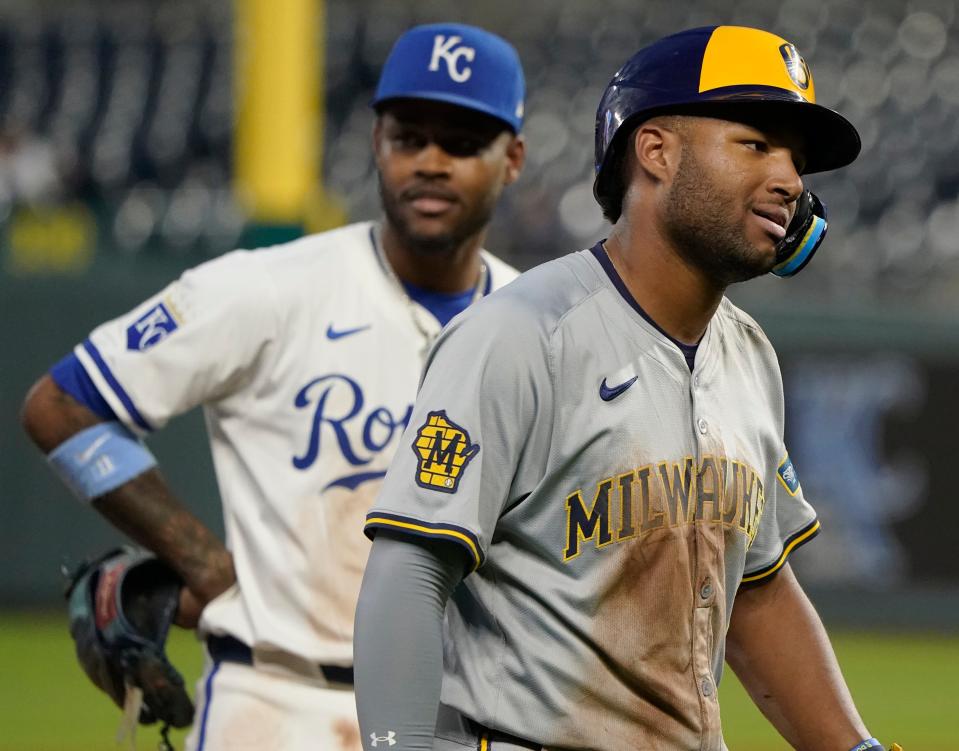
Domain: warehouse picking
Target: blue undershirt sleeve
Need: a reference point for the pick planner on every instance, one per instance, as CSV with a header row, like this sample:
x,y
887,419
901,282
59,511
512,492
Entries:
x,y
72,378
398,637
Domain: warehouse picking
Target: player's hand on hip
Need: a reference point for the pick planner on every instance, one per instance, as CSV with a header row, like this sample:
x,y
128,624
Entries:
x,y
189,609
195,595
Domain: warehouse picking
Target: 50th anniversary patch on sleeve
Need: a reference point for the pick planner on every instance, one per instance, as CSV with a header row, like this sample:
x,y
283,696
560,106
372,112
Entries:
x,y
443,450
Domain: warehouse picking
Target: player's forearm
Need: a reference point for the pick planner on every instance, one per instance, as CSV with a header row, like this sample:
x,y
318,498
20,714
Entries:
x,y
780,651
147,511
398,642
144,507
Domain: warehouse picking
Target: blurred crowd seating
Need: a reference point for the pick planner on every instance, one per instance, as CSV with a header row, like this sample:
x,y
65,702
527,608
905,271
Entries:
x,y
127,106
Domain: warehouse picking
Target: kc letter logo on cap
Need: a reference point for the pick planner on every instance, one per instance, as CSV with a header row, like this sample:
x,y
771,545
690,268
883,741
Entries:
x,y
445,47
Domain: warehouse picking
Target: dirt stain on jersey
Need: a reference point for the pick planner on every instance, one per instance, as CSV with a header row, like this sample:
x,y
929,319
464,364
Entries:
x,y
347,734
332,527
652,648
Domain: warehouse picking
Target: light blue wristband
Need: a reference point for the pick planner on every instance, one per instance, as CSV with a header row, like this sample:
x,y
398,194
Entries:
x,y
869,743
99,459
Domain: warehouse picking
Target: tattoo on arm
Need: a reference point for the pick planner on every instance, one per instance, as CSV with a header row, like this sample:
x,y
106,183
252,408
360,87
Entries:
x,y
146,510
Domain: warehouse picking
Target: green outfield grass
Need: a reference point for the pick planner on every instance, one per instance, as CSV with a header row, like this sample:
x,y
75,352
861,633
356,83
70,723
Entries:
x,y
903,686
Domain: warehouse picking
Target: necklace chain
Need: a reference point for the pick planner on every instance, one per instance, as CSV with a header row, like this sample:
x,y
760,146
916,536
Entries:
x,y
429,334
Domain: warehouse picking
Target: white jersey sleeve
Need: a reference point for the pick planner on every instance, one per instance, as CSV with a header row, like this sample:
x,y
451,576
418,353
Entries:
x,y
479,433
190,343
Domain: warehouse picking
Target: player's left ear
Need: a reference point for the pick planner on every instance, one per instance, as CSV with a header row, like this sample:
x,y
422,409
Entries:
x,y
656,148
376,138
515,158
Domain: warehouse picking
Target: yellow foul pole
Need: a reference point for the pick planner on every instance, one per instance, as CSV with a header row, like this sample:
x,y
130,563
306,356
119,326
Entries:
x,y
279,115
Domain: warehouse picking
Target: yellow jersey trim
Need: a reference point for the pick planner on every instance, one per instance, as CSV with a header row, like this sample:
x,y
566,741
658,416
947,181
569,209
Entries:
x,y
420,529
785,554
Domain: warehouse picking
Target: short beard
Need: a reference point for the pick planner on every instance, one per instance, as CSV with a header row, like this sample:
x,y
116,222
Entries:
x,y
436,245
696,223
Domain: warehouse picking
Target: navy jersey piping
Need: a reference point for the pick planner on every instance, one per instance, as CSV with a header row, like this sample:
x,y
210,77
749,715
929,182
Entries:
x,y
462,536
791,543
688,350
114,384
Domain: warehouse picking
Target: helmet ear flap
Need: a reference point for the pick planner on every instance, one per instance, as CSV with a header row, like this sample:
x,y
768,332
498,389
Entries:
x,y
609,186
803,237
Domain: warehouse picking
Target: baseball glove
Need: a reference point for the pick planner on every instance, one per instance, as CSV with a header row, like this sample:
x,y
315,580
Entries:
x,y
121,606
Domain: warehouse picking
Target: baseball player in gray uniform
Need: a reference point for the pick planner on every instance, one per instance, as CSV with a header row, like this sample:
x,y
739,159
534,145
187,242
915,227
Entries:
x,y
595,488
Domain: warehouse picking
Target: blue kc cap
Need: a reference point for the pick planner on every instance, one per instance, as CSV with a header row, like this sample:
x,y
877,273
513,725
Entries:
x,y
456,64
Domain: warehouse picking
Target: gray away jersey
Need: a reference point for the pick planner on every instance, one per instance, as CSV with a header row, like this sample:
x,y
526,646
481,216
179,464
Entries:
x,y
611,502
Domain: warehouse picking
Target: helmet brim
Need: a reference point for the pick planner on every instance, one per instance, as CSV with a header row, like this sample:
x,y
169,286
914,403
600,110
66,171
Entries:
x,y
830,140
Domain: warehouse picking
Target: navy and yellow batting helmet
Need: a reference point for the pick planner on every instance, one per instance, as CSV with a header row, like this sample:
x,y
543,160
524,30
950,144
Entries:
x,y
716,69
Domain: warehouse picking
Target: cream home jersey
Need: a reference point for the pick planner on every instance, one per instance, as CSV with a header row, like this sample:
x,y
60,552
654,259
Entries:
x,y
305,358
611,501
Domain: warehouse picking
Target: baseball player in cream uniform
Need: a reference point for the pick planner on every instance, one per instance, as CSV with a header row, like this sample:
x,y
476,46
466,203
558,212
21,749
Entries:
x,y
305,359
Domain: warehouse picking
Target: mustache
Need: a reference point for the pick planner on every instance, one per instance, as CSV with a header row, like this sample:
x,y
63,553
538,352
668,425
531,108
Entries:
x,y
428,191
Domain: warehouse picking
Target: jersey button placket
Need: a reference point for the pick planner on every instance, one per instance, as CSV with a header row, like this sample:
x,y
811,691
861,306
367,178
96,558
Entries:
x,y
706,591
707,687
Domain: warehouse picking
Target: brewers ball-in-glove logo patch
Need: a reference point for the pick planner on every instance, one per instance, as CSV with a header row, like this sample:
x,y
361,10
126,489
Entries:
x,y
787,475
795,65
443,450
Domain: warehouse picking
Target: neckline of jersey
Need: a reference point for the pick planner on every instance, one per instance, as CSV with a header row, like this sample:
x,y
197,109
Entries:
x,y
428,299
443,305
688,350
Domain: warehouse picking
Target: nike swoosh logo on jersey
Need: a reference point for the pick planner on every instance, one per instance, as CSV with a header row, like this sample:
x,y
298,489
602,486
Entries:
x,y
352,482
332,334
608,393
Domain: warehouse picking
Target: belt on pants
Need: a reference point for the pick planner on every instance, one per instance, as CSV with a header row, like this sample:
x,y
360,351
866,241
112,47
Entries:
x,y
231,649
490,740
463,731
